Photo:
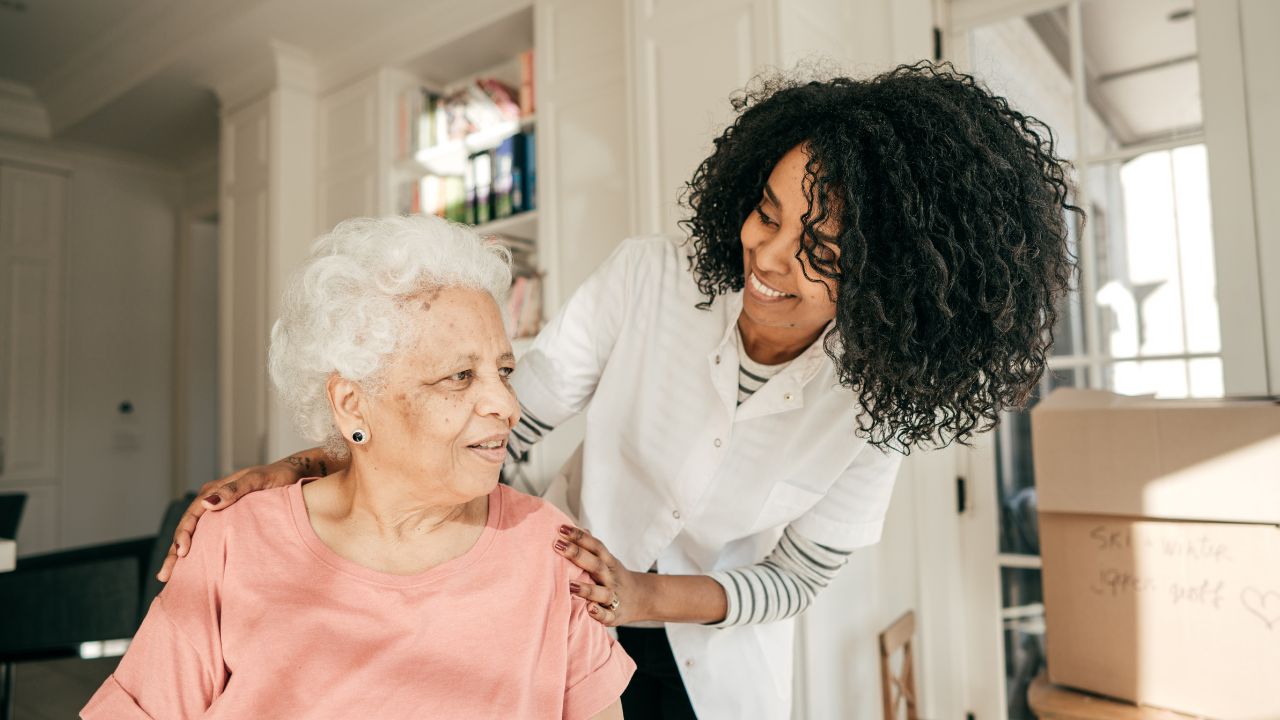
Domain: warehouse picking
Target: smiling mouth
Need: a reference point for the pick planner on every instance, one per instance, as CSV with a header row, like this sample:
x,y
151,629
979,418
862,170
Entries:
x,y
764,290
492,451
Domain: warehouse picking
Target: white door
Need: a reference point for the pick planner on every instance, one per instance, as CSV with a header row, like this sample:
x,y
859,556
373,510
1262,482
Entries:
x,y
32,221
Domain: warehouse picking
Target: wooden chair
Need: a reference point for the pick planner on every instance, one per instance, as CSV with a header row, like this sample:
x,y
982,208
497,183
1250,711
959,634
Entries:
x,y
898,689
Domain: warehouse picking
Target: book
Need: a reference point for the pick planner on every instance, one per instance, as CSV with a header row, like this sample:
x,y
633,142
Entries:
x,y
530,174
407,198
504,97
455,194
483,164
515,304
530,318
430,195
503,179
469,192
526,83
429,122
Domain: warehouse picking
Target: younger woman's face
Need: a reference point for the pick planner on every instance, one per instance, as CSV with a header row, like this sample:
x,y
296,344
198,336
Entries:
x,y
777,294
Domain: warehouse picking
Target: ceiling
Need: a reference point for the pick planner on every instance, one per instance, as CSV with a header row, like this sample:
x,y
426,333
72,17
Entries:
x,y
139,75
40,38
1140,61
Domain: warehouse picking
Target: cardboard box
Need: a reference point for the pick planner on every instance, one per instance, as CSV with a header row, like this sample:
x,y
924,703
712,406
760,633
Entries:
x,y
1160,537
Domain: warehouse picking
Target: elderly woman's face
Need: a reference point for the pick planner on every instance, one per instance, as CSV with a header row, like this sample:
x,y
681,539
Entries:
x,y
447,406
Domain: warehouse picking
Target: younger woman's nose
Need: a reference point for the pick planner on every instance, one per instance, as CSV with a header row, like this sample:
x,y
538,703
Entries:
x,y
776,254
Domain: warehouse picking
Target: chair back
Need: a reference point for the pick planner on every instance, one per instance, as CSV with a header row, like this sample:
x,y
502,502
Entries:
x,y
151,587
11,505
898,686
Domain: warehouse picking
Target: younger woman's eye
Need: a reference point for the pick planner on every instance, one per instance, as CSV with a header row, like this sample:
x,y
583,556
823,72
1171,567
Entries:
x,y
764,218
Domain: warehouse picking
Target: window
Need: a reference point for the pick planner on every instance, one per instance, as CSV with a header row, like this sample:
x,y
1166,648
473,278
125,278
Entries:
x,y
1118,81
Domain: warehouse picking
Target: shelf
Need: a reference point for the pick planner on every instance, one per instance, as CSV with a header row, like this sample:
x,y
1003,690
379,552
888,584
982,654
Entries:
x,y
450,158
476,51
522,225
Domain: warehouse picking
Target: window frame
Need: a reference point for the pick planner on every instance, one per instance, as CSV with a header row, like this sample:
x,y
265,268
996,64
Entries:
x,y
1239,291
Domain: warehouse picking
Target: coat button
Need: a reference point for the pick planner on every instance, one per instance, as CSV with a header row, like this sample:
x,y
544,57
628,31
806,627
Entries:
x,y
717,359
717,442
675,514
787,397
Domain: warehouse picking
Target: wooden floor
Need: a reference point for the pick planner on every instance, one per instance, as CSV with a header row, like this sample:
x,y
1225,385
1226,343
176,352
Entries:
x,y
57,689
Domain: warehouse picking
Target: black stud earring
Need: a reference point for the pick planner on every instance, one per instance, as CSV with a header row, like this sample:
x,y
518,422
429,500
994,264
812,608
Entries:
x,y
359,437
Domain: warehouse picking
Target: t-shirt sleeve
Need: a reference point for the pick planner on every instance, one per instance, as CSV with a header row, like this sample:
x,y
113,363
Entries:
x,y
598,669
174,666
851,514
557,377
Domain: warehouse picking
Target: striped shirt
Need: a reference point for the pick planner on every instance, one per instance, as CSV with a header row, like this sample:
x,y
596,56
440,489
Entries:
x,y
780,587
752,375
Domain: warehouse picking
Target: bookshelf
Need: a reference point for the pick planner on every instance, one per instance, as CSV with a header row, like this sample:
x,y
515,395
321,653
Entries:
x,y
522,226
464,146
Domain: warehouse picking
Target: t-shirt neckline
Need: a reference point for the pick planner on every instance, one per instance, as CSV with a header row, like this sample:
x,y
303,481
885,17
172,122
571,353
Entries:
x,y
325,554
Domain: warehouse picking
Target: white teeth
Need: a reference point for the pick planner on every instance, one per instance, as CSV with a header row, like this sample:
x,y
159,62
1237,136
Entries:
x,y
491,445
765,289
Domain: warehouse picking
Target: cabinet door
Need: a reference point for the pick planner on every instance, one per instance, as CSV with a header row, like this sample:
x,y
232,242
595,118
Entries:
x,y
689,58
584,175
242,292
32,219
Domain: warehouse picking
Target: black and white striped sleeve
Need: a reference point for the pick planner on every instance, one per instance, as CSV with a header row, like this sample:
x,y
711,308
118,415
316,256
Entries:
x,y
527,432
525,435
781,586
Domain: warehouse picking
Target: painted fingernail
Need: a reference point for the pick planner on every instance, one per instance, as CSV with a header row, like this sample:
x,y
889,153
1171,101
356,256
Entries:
x,y
562,545
565,530
213,499
593,609
575,588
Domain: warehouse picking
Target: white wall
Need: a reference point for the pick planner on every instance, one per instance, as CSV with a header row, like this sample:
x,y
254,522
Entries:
x,y
118,303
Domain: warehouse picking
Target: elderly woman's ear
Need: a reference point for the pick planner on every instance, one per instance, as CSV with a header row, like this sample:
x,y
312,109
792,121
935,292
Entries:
x,y
345,399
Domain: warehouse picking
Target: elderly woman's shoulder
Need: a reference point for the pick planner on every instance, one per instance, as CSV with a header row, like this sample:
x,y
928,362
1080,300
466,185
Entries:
x,y
529,513
265,507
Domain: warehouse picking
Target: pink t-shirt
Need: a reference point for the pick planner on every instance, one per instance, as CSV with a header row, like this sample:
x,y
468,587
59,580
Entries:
x,y
263,620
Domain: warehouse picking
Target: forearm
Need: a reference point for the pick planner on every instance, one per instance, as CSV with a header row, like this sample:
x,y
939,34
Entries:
x,y
315,462
680,598
784,585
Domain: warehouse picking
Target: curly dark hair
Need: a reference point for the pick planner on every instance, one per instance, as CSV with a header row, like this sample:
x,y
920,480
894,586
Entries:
x,y
953,239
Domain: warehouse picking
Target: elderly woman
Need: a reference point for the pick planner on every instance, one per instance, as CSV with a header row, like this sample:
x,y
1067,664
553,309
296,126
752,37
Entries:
x,y
410,584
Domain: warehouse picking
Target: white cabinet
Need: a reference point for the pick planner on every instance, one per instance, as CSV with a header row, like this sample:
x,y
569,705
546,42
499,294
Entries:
x,y
243,286
32,228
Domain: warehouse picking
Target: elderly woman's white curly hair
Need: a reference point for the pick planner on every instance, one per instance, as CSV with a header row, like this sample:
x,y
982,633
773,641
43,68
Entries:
x,y
344,310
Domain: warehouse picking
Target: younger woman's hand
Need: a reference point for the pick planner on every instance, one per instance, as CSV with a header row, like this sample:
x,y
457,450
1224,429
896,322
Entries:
x,y
616,596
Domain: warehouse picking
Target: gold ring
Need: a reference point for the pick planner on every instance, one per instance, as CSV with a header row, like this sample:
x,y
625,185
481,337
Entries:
x,y
614,605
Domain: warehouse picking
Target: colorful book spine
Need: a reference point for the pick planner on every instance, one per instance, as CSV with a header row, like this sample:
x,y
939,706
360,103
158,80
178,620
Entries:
x,y
530,170
503,177
483,163
526,83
